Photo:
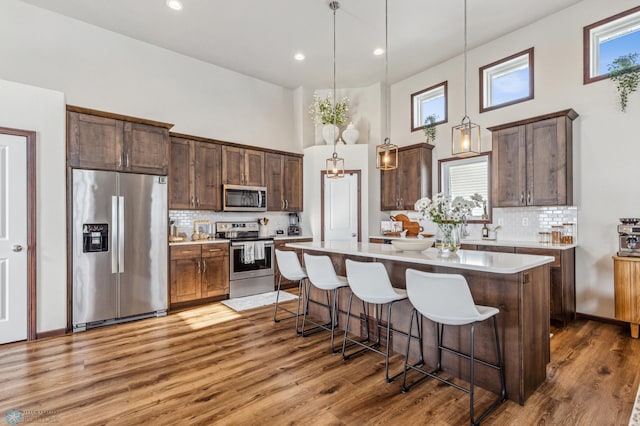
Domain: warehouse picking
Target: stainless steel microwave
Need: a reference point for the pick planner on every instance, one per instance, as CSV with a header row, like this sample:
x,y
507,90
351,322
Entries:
x,y
242,198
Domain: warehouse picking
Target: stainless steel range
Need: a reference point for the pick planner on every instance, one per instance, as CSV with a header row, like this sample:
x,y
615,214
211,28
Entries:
x,y
629,237
251,258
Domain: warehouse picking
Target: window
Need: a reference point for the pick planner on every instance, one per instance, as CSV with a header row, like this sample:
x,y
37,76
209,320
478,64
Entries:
x,y
430,101
507,81
609,39
465,177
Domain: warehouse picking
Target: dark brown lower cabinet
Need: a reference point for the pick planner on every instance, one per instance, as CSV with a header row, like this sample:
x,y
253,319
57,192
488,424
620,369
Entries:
x,y
199,272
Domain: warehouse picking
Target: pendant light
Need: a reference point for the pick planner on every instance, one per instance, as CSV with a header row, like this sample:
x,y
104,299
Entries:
x,y
465,138
334,164
386,153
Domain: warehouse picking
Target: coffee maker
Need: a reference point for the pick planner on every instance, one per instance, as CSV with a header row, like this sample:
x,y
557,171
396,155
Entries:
x,y
294,224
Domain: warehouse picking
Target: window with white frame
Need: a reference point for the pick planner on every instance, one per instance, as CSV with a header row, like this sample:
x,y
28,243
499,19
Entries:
x,y
464,177
607,40
431,101
507,81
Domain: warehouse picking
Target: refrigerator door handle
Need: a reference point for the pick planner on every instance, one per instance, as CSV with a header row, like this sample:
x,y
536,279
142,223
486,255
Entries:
x,y
121,233
114,234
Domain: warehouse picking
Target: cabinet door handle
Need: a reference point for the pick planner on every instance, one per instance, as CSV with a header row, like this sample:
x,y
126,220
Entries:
x,y
204,266
126,160
522,198
198,261
120,160
198,201
191,202
286,204
283,204
528,197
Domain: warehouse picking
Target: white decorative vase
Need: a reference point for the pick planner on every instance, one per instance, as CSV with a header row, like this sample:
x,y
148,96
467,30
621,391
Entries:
x,y
330,133
351,134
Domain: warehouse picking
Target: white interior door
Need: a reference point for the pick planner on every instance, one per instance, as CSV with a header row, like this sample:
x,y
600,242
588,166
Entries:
x,y
13,238
341,208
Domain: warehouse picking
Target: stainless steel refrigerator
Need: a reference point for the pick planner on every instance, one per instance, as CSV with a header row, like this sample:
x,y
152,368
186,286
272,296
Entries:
x,y
119,247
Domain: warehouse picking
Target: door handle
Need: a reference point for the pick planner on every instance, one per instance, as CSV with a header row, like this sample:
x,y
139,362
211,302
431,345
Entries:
x,y
204,266
198,261
528,197
353,234
282,204
114,234
16,247
126,160
198,201
191,202
522,198
121,234
286,204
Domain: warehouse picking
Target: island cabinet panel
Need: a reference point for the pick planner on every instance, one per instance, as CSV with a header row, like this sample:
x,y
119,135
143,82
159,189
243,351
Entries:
x,y
242,166
105,141
532,161
402,187
523,322
195,179
199,273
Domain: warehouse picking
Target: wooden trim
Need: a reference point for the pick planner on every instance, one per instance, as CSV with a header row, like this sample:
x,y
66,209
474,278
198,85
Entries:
x,y
529,52
232,144
51,333
322,178
115,116
586,45
569,113
601,319
416,145
446,104
32,249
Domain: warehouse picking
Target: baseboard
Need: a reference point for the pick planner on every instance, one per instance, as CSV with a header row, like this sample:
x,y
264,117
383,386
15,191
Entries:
x,y
601,319
51,333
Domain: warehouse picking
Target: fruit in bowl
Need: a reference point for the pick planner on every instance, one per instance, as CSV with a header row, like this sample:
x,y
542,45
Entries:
x,y
412,245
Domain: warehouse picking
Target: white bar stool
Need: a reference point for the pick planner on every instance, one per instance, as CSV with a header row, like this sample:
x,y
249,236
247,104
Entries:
x,y
369,282
323,276
446,300
290,268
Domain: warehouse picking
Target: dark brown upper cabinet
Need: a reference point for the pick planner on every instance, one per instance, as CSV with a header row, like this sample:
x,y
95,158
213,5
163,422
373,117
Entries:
x,y
241,166
532,161
402,187
105,141
195,180
283,179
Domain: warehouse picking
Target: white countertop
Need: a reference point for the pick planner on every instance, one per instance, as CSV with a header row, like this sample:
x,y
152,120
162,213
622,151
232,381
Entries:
x,y
499,263
499,242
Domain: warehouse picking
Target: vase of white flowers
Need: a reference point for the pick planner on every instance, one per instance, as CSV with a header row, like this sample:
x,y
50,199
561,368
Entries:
x,y
329,116
447,214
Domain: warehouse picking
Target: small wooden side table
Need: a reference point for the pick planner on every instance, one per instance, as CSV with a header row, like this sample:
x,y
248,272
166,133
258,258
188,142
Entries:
x,y
626,278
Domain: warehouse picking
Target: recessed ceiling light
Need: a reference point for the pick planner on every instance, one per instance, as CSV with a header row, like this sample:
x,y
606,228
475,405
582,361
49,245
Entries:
x,y
174,4
298,57
379,51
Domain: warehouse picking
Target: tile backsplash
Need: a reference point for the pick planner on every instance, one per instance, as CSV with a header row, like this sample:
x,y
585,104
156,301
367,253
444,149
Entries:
x,y
184,219
516,223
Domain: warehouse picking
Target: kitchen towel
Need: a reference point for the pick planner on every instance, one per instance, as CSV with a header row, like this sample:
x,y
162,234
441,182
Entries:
x,y
249,254
258,250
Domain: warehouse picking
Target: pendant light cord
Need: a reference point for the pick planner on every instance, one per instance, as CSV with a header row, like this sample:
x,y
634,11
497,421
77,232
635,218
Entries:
x,y
387,92
334,5
465,61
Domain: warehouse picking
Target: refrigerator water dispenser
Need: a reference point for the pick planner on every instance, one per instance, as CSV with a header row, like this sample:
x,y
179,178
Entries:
x,y
95,237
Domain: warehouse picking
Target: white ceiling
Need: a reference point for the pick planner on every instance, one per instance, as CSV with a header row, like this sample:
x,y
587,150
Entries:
x,y
259,37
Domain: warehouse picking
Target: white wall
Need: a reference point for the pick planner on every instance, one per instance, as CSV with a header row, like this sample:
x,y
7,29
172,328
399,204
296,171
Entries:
x,y
103,70
43,111
605,140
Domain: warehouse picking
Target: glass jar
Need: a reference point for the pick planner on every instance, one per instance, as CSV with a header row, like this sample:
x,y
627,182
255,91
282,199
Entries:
x,y
556,234
544,237
568,233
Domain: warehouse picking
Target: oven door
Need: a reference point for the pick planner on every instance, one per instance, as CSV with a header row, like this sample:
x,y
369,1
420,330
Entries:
x,y
239,269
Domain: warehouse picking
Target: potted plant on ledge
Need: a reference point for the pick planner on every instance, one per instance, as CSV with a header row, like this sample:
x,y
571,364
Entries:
x,y
329,116
625,73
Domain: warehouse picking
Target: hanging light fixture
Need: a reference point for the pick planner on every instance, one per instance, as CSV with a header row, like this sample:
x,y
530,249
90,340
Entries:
x,y
465,138
335,164
386,153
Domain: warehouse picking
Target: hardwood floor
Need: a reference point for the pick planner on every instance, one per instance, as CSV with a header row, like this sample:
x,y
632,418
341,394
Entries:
x,y
210,365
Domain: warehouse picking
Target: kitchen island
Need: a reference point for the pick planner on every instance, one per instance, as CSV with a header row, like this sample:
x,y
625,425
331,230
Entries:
x,y
517,284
